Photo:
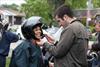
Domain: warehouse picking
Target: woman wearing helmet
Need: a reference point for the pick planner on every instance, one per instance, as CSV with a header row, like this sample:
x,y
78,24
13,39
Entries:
x,y
28,53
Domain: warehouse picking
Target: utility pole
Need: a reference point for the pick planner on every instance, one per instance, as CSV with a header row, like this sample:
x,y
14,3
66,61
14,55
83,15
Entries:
x,y
89,8
0,2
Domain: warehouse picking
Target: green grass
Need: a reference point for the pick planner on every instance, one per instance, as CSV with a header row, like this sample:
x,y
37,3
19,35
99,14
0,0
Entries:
x,y
7,62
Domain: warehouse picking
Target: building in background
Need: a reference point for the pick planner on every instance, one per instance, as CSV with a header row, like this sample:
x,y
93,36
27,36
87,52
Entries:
x,y
11,16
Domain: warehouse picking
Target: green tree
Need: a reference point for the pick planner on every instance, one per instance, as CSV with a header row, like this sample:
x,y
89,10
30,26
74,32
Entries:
x,y
77,4
12,6
38,8
45,8
96,3
56,3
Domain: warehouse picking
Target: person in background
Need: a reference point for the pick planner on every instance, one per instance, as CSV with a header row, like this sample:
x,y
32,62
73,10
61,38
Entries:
x,y
96,46
29,53
71,49
6,38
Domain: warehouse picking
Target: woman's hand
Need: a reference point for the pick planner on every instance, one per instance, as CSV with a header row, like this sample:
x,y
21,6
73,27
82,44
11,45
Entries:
x,y
49,39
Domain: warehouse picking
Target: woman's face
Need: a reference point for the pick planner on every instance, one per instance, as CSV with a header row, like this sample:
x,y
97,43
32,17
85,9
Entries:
x,y
97,27
37,32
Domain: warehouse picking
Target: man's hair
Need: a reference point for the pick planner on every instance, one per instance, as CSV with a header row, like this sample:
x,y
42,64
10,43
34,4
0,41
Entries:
x,y
63,10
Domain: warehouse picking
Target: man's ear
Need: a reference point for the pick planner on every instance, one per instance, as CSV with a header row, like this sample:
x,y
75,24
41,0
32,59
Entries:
x,y
65,17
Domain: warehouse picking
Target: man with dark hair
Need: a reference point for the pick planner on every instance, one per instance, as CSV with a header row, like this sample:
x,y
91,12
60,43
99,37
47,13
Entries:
x,y
71,49
62,11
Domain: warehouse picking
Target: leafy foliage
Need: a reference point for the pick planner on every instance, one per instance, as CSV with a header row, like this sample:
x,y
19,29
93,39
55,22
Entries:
x,y
76,3
45,8
12,6
37,8
96,3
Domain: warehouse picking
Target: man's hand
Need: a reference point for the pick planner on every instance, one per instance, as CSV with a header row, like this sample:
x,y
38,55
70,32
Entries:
x,y
90,45
51,64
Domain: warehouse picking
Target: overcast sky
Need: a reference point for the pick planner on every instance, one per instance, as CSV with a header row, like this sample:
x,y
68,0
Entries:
x,y
18,2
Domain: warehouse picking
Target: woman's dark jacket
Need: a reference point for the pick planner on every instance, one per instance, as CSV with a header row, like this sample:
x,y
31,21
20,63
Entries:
x,y
27,55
